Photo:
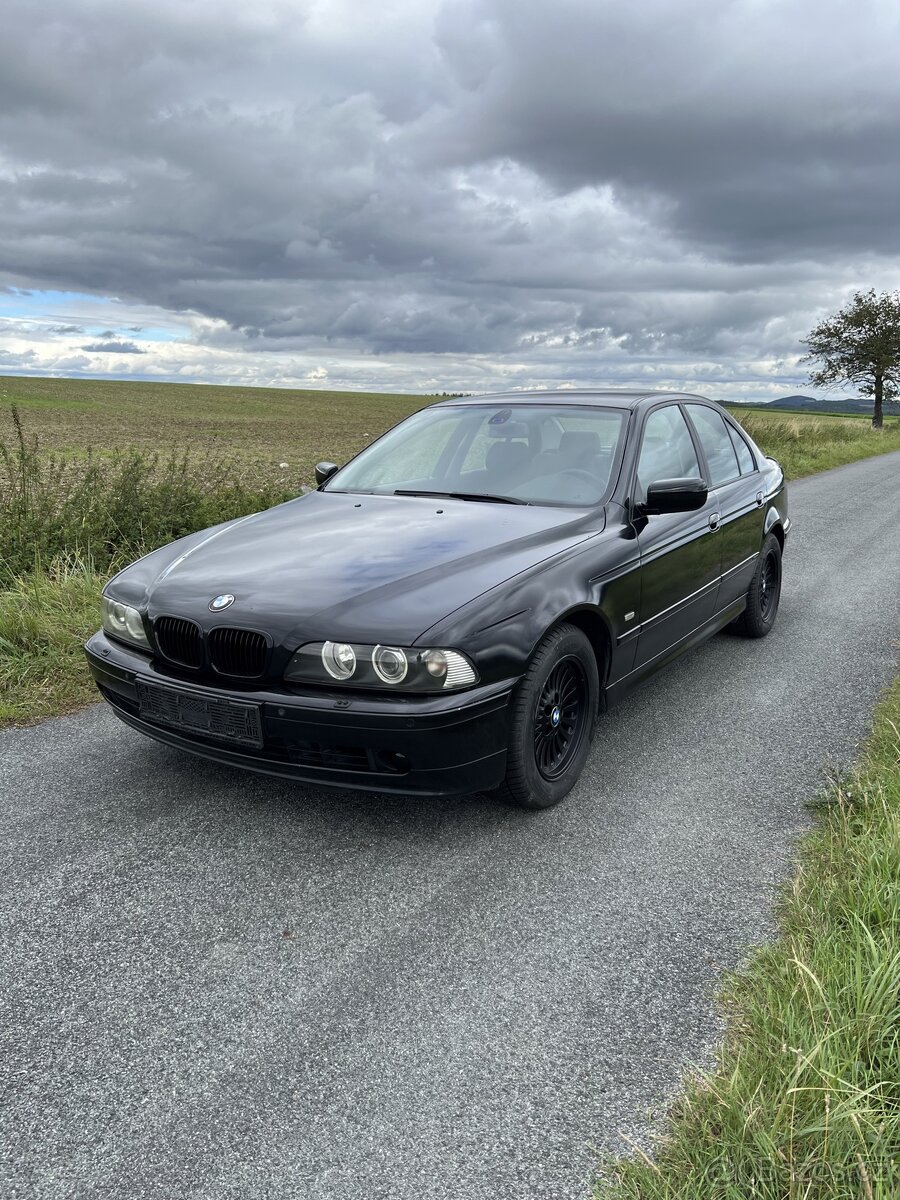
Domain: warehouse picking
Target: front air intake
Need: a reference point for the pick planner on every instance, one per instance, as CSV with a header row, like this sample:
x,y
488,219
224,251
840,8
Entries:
x,y
239,652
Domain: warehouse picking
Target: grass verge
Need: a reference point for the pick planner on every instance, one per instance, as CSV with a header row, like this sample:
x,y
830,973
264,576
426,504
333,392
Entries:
x,y
45,616
805,1099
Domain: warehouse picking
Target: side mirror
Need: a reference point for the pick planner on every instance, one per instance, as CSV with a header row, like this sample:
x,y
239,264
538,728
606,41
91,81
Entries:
x,y
324,471
674,496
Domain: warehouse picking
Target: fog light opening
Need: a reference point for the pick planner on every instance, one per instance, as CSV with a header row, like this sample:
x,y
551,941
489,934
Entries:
x,y
390,760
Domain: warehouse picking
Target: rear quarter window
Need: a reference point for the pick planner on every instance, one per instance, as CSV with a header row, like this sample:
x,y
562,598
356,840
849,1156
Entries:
x,y
742,450
712,430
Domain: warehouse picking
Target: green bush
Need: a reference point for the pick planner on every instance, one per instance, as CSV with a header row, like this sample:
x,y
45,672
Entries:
x,y
107,506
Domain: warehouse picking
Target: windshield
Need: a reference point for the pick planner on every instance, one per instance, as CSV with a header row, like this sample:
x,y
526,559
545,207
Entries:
x,y
526,454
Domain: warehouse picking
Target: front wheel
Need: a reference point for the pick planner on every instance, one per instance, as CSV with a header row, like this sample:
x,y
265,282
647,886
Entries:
x,y
552,721
764,593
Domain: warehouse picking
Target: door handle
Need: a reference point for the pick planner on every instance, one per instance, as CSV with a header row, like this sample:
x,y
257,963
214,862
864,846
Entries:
x,y
714,519
759,497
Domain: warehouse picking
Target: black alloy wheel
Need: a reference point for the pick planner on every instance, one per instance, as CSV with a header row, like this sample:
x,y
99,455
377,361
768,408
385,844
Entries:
x,y
552,720
769,587
764,592
559,717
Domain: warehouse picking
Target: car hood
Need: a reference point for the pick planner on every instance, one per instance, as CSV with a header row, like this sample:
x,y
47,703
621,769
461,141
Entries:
x,y
354,567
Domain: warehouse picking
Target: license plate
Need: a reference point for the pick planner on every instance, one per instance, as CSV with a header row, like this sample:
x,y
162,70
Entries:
x,y
217,717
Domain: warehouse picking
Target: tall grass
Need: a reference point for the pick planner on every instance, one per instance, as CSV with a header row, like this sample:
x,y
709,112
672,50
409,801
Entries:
x,y
110,505
45,617
805,1102
806,444
64,526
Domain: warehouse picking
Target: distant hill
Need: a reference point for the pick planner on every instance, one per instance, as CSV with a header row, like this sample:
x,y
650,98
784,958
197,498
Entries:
x,y
857,405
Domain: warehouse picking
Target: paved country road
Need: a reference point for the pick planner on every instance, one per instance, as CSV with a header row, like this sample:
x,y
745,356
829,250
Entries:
x,y
216,985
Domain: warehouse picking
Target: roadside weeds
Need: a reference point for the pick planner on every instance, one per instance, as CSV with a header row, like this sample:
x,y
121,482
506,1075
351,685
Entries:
x,y
45,617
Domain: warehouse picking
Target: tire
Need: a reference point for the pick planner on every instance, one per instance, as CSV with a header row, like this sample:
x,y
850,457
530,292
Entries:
x,y
553,718
764,592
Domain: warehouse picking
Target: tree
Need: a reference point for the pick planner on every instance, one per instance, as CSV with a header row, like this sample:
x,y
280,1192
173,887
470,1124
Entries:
x,y
860,344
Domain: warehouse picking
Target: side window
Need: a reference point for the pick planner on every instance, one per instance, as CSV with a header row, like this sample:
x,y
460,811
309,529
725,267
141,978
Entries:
x,y
551,432
667,451
716,442
742,450
476,455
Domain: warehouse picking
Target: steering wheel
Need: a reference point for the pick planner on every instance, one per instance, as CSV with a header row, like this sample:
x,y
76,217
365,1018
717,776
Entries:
x,y
579,473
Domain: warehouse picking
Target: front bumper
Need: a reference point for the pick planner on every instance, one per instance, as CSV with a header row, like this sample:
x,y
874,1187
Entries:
x,y
423,745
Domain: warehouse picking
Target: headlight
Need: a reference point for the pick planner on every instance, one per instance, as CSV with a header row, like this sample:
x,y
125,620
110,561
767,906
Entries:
x,y
390,663
399,667
338,659
123,622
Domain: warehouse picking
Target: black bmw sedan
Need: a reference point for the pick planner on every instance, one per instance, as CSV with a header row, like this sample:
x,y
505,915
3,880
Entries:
x,y
453,609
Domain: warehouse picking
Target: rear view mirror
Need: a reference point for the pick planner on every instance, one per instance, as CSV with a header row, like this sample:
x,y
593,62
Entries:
x,y
674,496
324,471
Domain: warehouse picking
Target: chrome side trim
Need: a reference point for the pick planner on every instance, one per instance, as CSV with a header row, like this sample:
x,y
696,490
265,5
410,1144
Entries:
x,y
681,603
672,607
743,563
674,647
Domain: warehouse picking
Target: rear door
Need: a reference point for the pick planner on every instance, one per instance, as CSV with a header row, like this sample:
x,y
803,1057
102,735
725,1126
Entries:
x,y
740,495
680,552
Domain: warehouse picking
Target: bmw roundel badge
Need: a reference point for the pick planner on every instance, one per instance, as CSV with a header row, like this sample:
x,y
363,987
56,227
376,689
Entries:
x,y
220,602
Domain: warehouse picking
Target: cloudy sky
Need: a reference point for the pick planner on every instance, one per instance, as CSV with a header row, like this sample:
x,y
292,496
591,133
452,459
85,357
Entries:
x,y
434,195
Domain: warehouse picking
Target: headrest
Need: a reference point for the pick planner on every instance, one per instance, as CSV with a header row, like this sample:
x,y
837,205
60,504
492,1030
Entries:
x,y
506,456
508,430
580,443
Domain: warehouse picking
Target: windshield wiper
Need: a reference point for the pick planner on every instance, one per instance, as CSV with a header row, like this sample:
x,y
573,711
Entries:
x,y
462,496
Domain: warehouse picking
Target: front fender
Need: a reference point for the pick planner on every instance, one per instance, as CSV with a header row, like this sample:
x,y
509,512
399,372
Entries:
x,y
597,584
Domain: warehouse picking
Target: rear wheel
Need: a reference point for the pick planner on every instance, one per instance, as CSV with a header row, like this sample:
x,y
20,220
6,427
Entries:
x,y
764,593
552,720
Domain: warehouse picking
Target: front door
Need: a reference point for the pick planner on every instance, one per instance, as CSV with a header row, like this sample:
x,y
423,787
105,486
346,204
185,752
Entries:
x,y
680,552
739,489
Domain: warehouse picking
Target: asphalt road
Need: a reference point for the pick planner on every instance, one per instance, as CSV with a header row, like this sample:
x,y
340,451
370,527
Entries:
x,y
223,986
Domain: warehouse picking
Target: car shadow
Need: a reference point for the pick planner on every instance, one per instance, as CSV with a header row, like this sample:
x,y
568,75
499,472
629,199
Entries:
x,y
189,786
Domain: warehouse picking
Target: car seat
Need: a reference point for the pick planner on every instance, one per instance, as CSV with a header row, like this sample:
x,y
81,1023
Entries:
x,y
504,458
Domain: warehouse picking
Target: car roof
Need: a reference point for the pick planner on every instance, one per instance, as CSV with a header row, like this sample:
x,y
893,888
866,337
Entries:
x,y
604,398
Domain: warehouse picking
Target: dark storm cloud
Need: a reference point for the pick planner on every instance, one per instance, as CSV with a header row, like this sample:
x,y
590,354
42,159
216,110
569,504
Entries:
x,y
757,128
471,177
